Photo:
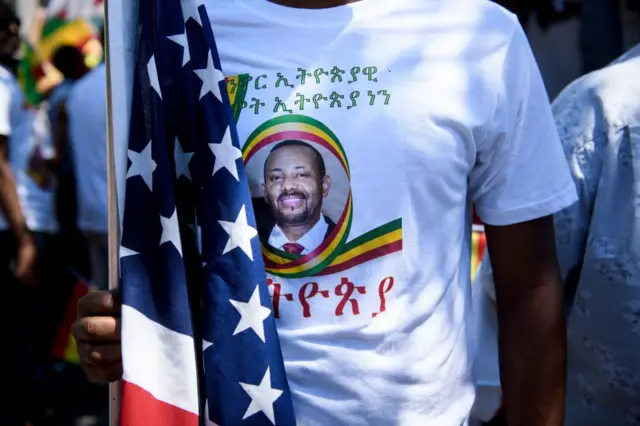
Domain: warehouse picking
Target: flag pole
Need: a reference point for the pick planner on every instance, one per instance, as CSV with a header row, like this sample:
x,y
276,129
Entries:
x,y
112,196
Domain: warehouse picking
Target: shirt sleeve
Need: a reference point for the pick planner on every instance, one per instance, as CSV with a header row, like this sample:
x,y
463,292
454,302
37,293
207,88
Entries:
x,y
5,109
520,172
572,224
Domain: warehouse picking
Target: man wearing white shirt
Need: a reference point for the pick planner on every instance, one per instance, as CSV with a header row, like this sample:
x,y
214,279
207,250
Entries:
x,y
13,224
82,124
27,221
465,121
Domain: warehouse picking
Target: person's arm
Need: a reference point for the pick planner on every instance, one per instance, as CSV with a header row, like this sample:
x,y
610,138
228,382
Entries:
x,y
572,224
532,338
9,201
519,180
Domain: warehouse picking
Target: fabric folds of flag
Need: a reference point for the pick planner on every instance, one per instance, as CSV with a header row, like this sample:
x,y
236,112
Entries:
x,y
199,339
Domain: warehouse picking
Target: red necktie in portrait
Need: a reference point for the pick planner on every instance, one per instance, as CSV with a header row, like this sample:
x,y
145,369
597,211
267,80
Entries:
x,y
293,248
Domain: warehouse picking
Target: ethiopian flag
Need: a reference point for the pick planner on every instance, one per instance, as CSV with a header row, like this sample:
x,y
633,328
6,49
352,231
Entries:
x,y
35,73
478,244
64,347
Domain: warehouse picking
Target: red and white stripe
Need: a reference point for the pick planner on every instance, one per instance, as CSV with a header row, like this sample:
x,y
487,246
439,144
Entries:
x,y
159,384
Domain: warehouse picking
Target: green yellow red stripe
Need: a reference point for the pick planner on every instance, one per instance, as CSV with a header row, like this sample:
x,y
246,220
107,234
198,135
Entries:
x,y
294,122
384,250
320,256
478,247
369,246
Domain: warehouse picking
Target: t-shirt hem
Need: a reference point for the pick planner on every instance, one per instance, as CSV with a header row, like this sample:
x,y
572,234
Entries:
x,y
533,211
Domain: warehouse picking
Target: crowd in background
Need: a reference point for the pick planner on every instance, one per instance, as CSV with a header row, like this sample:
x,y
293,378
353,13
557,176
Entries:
x,y
53,200
53,226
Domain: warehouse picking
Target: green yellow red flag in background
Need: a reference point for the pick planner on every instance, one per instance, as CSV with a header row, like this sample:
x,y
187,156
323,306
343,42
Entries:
x,y
35,73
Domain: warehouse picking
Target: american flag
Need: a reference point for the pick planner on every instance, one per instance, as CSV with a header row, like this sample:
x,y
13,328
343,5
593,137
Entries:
x,y
199,339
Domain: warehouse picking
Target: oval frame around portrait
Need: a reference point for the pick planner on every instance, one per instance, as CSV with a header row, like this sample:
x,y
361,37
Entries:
x,y
307,129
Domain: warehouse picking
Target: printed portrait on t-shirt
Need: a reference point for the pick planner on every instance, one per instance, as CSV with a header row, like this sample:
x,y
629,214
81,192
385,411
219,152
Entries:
x,y
290,210
300,182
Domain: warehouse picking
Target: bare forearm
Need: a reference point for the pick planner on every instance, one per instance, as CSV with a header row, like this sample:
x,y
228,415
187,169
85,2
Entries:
x,y
532,340
9,202
532,334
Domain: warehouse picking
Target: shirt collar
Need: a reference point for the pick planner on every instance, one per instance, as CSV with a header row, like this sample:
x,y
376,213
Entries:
x,y
310,241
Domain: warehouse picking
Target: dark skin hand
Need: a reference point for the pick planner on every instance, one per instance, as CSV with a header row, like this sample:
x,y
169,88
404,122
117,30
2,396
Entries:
x,y
97,334
532,333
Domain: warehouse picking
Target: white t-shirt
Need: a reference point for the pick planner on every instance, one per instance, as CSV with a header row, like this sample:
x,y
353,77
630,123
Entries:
x,y
419,108
87,114
30,144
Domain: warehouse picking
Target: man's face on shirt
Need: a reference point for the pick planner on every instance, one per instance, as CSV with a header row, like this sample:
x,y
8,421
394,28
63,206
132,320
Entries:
x,y
294,186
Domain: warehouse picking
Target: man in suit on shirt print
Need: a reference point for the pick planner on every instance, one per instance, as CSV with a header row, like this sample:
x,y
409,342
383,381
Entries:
x,y
295,184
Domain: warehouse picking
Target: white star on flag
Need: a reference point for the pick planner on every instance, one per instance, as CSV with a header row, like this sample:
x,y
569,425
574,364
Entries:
x,y
125,252
240,233
152,69
211,78
190,10
171,231
182,40
262,397
206,345
182,160
142,165
226,155
252,315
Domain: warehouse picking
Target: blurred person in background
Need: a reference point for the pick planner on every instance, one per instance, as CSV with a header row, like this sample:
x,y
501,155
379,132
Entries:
x,y
81,134
598,244
601,33
598,241
70,61
17,245
79,122
546,12
27,225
